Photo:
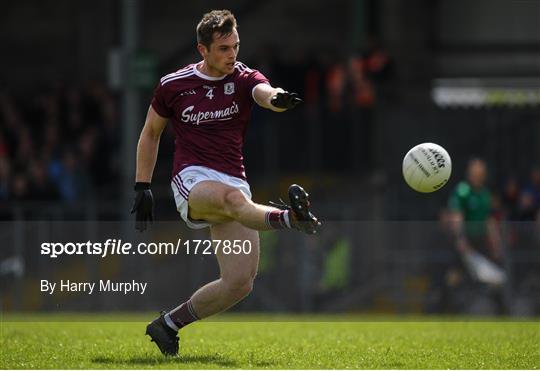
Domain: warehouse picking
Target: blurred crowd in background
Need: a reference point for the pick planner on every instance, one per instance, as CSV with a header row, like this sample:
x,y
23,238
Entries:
x,y
520,200
59,143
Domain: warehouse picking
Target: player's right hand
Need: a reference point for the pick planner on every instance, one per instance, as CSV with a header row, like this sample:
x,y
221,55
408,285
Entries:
x,y
143,206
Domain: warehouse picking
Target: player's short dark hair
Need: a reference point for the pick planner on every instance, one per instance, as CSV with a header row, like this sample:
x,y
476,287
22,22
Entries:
x,y
220,21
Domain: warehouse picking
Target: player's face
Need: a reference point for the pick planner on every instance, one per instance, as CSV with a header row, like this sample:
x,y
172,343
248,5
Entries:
x,y
477,173
221,56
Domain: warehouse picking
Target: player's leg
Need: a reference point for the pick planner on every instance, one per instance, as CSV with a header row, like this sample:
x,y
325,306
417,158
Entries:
x,y
217,202
237,271
236,218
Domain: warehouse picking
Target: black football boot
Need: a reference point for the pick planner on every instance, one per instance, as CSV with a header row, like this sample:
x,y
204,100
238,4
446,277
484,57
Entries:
x,y
165,337
301,219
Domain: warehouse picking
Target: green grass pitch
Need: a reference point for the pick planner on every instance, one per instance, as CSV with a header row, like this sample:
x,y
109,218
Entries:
x,y
282,342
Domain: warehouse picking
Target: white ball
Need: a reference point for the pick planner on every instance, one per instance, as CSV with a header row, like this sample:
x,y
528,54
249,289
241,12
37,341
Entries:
x,y
427,167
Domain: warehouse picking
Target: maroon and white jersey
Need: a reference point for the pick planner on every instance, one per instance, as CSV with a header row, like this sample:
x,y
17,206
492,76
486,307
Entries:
x,y
210,116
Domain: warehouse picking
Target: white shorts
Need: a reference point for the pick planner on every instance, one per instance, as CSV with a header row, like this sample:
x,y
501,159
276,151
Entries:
x,y
186,179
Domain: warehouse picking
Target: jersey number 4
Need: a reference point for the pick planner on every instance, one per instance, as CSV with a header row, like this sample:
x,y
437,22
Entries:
x,y
210,93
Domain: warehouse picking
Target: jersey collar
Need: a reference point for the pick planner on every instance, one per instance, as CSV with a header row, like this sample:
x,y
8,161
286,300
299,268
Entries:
x,y
203,76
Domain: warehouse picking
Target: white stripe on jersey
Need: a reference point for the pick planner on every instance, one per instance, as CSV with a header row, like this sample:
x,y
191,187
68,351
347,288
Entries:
x,y
242,67
181,76
173,77
177,73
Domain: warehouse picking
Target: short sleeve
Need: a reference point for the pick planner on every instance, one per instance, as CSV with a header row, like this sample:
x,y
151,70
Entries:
x,y
247,79
159,102
255,78
455,202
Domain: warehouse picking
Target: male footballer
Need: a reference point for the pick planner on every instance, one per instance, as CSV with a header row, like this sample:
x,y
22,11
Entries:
x,y
209,105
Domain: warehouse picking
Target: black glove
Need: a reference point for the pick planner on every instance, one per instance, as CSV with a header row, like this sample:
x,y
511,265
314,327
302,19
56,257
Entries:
x,y
143,205
285,100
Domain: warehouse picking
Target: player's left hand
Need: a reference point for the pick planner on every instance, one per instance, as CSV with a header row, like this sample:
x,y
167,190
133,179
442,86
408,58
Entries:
x,y
143,206
285,100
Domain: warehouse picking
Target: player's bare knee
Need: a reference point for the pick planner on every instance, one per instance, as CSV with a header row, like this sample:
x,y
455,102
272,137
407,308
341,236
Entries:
x,y
243,291
239,285
233,203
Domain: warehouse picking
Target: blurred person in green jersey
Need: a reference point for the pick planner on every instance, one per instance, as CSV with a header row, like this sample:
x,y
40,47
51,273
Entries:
x,y
471,208
478,239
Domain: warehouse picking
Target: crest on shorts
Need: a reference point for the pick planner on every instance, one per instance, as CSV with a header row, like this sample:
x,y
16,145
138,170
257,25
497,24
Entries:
x,y
229,88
